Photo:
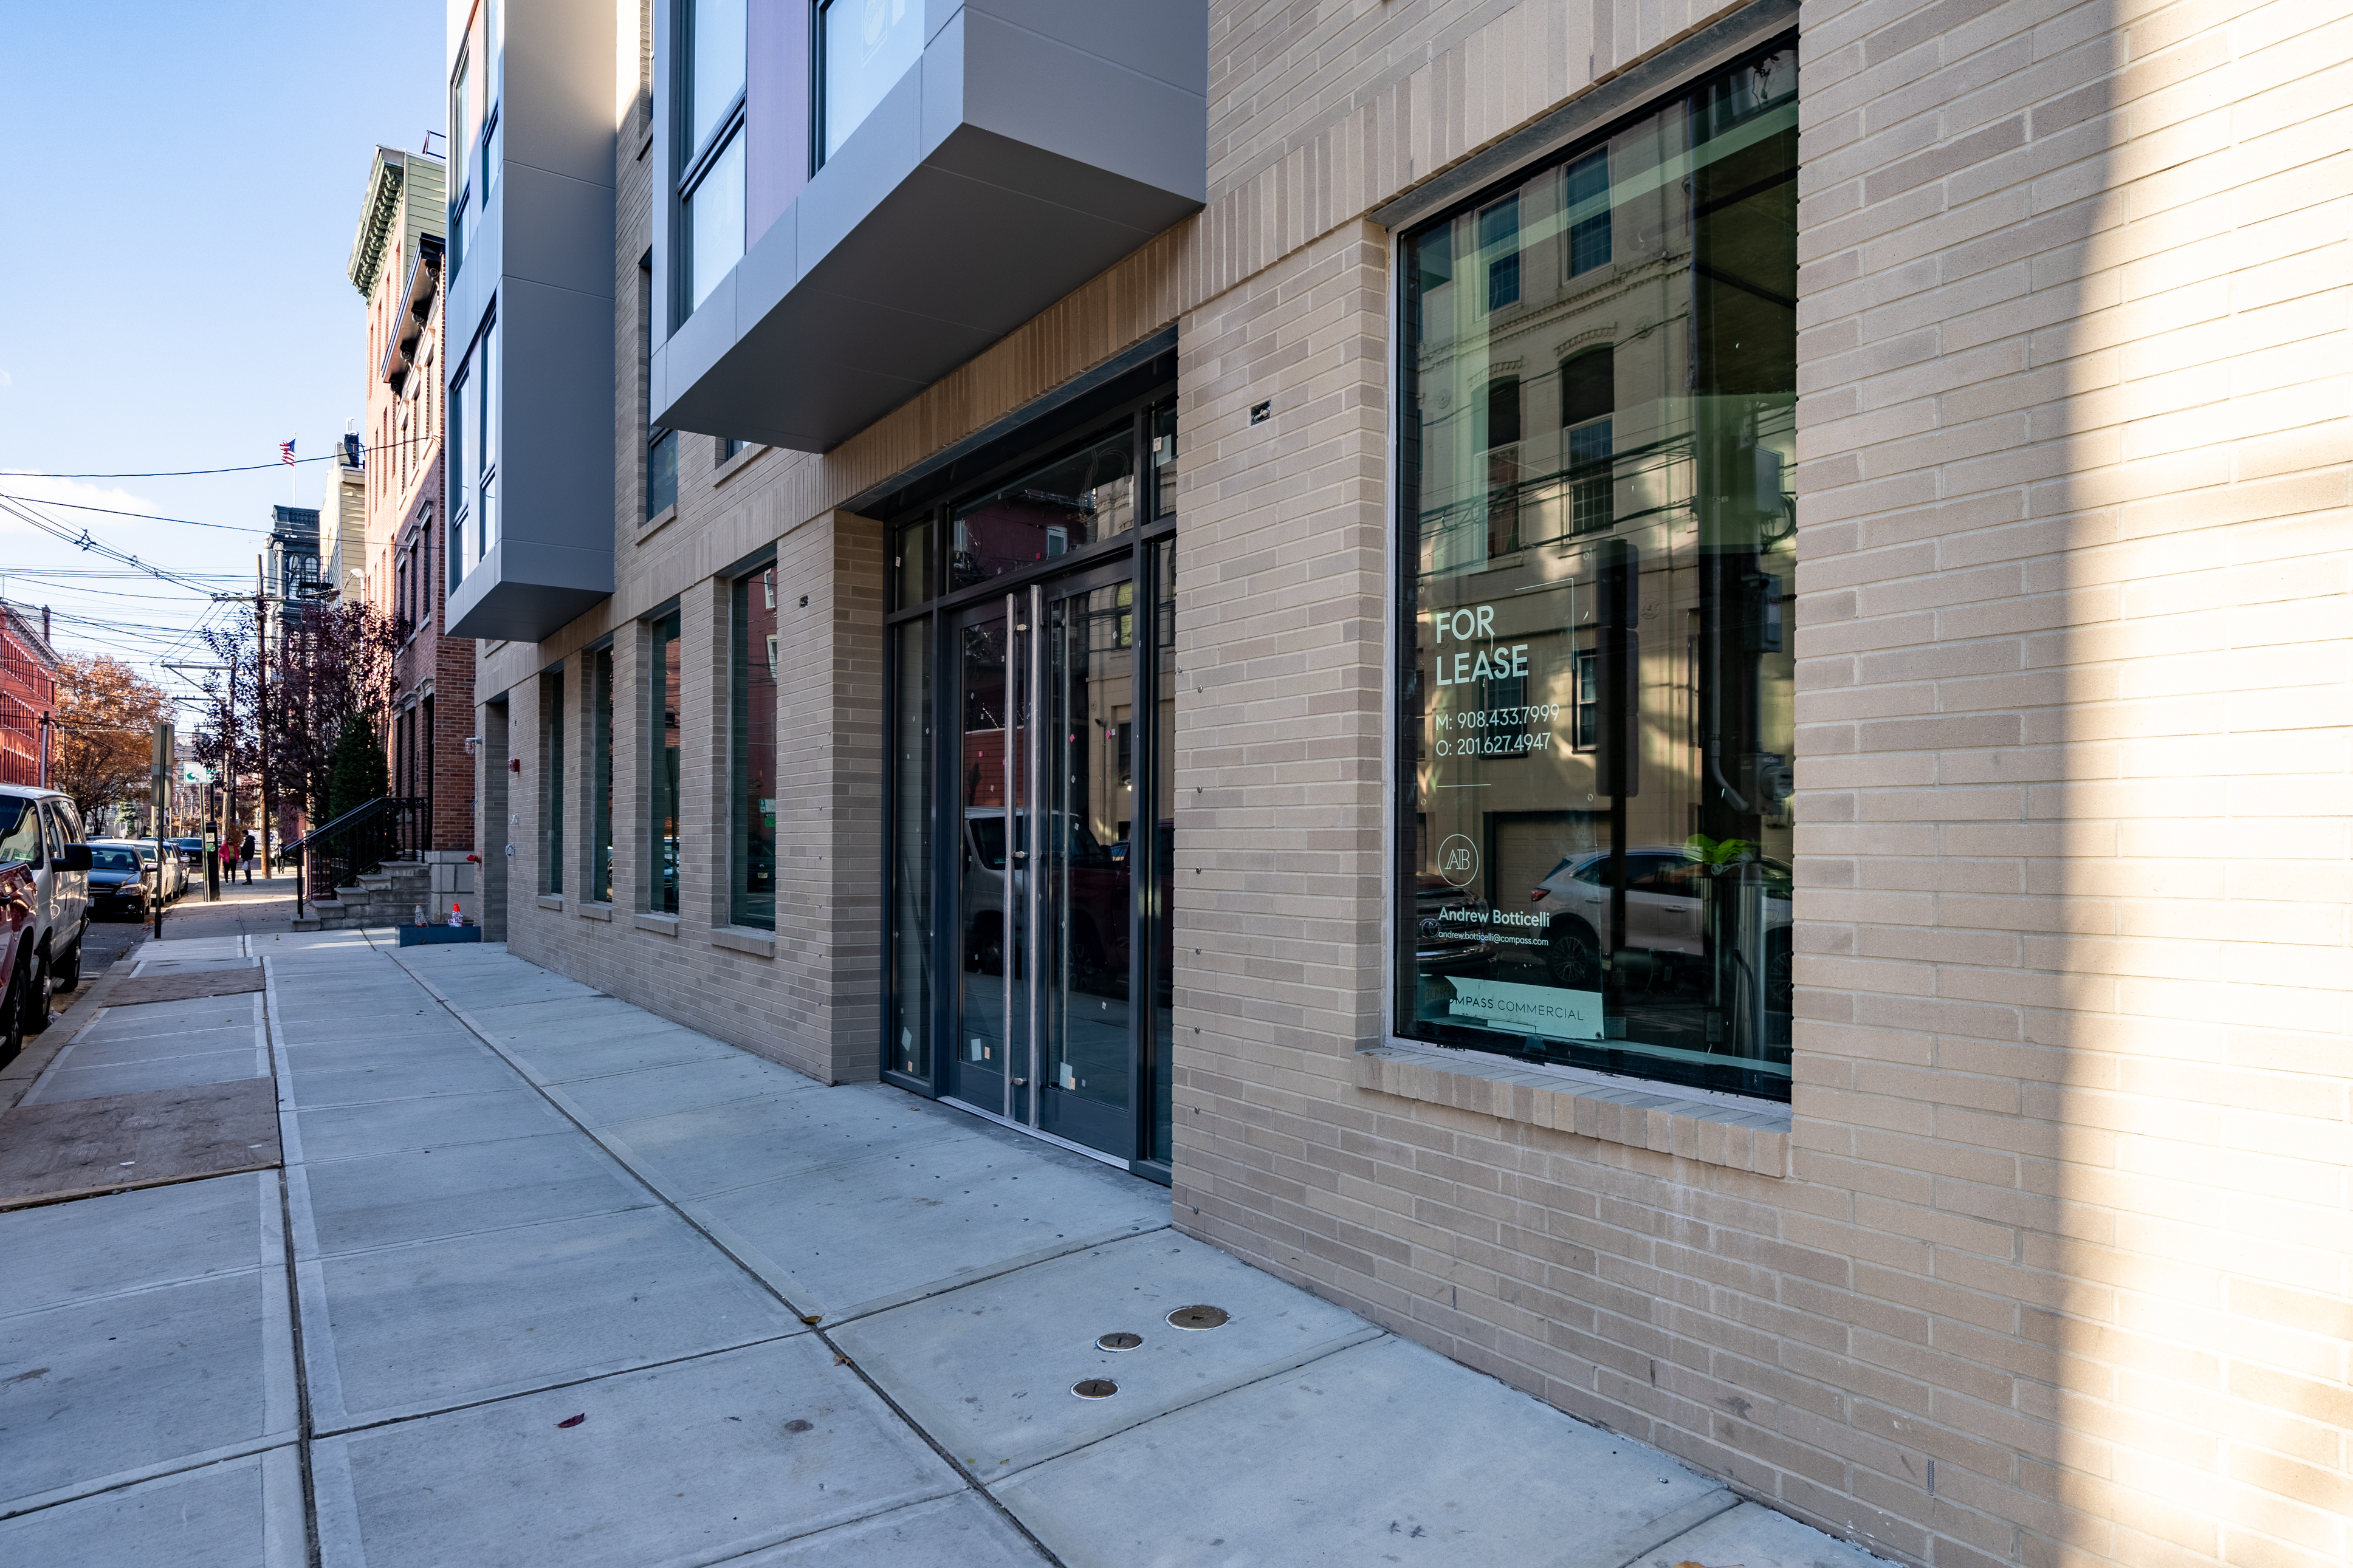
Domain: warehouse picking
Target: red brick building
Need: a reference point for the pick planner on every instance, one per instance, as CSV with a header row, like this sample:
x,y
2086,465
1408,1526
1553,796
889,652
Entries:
x,y
397,265
29,696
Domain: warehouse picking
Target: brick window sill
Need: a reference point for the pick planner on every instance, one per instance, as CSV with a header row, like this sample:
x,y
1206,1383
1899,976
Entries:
x,y
1692,1124
595,911
666,925
658,522
745,939
551,900
735,465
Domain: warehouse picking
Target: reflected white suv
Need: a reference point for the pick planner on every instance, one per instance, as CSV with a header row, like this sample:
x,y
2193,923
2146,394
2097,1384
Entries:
x,y
1665,909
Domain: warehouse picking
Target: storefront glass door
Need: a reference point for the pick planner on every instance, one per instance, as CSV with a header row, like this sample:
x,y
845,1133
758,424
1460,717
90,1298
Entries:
x,y
1046,895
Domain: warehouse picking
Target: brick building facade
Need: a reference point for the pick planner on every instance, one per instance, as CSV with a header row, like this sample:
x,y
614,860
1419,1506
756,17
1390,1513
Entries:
x,y
29,696
397,262
1984,1203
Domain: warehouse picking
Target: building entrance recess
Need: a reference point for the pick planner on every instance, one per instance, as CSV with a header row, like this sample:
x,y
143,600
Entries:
x,y
1033,731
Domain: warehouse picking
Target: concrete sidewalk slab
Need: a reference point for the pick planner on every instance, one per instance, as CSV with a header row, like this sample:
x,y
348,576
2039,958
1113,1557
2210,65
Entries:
x,y
693,1462
850,1239
401,1330
1377,1451
345,1205
65,1081
104,1246
604,1049
988,1370
361,1082
959,1531
428,1121
1756,1536
655,1091
245,1512
112,1041
559,1013
76,1148
165,1020
105,1390
744,1143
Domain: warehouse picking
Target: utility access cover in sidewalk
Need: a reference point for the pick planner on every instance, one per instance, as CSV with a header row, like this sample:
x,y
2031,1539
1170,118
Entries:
x,y
74,1147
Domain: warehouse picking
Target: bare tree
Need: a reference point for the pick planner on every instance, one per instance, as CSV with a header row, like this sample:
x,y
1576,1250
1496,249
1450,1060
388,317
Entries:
x,y
335,663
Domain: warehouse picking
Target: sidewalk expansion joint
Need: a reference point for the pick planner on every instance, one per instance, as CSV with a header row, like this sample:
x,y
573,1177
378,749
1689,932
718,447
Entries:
x,y
372,1420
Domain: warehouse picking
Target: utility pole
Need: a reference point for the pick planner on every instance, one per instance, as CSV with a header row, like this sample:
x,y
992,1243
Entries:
x,y
261,705
158,784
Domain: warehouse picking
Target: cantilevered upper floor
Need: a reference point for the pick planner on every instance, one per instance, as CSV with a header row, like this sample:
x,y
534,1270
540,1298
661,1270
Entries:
x,y
857,197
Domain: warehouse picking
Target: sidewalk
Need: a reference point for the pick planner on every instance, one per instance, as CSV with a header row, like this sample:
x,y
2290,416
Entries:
x,y
545,1279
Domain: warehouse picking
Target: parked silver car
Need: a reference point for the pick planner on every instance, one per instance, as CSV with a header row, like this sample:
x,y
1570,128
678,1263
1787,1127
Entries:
x,y
40,830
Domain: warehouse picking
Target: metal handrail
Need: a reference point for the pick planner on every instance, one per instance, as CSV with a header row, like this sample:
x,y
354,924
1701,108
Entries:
x,y
391,827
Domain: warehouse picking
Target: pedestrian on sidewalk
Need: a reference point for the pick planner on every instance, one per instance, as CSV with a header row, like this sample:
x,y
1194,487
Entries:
x,y
245,853
228,861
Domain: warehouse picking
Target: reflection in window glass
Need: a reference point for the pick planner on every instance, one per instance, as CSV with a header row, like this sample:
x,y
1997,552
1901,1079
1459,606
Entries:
x,y
1163,841
869,44
662,472
752,780
551,782
661,761
715,221
1596,678
716,30
1164,460
1048,511
911,562
912,988
600,781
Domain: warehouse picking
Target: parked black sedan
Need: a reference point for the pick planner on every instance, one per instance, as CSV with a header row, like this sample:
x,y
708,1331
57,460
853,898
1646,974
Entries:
x,y
117,883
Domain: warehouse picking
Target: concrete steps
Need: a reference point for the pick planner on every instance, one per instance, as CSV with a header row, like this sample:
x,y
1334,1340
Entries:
x,y
386,897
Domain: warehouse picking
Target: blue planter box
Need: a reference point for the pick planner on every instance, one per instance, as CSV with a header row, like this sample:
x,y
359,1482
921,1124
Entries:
x,y
434,936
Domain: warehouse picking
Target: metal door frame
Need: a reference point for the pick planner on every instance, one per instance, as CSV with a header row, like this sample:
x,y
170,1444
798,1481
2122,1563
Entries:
x,y
1027,608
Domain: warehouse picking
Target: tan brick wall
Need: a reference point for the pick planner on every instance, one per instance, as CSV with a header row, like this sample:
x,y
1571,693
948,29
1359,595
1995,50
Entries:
x,y
2074,636
2058,1275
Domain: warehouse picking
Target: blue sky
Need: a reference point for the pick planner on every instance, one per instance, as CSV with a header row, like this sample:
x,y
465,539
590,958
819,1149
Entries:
x,y
173,230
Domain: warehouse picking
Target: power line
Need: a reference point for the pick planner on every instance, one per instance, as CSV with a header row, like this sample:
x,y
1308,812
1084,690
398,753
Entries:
x,y
23,512
141,515
199,473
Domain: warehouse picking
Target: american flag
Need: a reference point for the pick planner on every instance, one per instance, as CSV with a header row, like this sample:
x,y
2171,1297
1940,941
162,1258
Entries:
x,y
286,451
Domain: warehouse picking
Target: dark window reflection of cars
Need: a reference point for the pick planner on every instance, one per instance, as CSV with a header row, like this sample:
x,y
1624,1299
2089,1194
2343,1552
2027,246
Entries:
x,y
1450,929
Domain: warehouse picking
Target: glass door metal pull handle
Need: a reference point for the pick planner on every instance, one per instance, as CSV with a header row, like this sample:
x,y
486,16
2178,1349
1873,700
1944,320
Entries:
x,y
1008,921
1035,728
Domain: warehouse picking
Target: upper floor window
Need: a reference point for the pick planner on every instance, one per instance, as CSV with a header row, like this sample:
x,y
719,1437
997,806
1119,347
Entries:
x,y
865,46
711,143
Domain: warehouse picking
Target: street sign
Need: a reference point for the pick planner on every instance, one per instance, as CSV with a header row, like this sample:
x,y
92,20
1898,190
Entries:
x,y
195,774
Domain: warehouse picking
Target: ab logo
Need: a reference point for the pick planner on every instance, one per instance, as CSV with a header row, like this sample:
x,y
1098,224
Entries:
x,y
1458,860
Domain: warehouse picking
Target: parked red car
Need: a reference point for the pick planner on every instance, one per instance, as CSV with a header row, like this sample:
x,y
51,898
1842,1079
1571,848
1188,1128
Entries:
x,y
18,929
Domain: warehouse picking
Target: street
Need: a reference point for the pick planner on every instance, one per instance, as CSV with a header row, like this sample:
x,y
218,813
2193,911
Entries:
x,y
543,1278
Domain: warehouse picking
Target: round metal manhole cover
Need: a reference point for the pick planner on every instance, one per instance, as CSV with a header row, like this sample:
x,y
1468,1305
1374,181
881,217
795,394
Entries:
x,y
1198,1318
1119,1342
1094,1388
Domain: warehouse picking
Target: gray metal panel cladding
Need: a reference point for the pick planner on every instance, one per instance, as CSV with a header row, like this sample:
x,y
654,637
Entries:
x,y
1033,144
541,264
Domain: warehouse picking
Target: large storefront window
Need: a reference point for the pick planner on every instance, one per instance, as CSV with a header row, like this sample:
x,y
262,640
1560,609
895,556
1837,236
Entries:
x,y
551,789
661,765
751,772
1597,537
600,775
1032,696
